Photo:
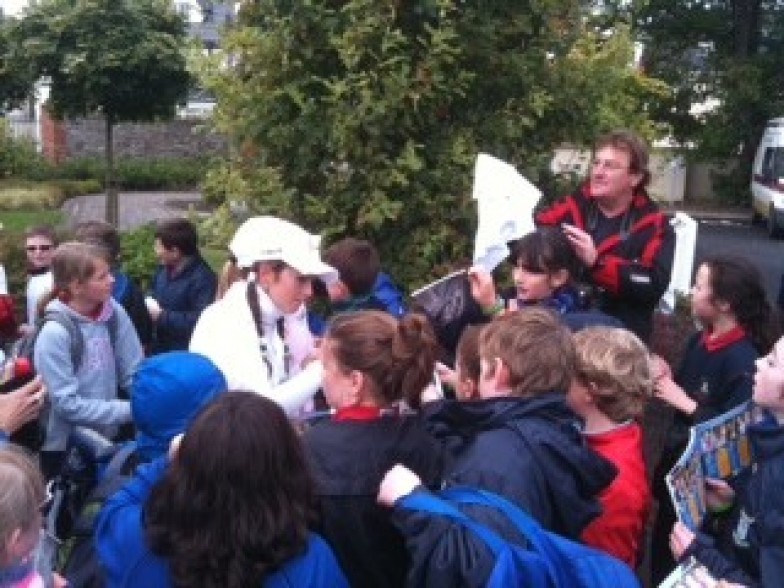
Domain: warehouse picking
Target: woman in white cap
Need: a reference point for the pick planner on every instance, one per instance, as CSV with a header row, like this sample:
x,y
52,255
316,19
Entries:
x,y
243,332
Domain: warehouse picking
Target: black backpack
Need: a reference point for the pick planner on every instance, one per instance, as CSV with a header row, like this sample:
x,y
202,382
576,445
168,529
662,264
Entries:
x,y
32,434
93,471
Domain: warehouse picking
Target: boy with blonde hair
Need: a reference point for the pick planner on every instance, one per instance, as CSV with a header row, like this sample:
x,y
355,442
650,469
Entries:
x,y
612,381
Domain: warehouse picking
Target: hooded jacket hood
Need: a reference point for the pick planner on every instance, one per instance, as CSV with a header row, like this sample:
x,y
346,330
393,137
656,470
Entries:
x,y
168,391
549,437
767,438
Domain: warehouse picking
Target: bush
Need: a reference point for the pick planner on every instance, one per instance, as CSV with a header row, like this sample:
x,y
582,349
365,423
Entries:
x,y
132,173
18,157
138,258
27,195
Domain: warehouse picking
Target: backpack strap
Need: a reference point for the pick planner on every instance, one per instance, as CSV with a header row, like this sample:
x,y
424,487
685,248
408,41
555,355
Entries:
x,y
75,337
428,503
113,326
117,464
526,524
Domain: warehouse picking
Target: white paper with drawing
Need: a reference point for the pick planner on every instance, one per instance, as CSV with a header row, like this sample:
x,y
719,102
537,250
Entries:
x,y
505,202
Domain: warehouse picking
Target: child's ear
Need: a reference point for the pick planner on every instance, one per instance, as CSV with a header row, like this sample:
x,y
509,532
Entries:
x,y
354,393
722,305
558,278
468,389
501,375
11,547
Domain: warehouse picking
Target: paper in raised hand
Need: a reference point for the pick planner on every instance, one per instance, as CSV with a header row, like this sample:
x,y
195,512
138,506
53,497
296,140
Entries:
x,y
506,202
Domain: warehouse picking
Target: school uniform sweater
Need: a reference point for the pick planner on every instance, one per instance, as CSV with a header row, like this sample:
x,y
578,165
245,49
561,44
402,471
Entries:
x,y
620,529
718,373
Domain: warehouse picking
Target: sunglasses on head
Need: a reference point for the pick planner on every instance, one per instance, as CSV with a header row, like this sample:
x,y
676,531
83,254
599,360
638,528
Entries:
x,y
38,247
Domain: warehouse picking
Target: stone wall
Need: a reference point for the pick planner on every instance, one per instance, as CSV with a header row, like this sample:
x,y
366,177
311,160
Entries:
x,y
178,138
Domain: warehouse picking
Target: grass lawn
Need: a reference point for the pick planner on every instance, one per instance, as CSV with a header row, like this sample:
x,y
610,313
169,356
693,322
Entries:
x,y
16,221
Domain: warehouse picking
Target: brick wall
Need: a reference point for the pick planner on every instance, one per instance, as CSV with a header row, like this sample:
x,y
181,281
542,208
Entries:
x,y
53,141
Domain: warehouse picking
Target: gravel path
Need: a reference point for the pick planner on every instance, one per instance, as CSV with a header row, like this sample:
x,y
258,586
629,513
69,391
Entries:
x,y
136,208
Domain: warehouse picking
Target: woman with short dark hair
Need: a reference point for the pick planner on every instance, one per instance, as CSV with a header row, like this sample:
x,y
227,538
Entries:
x,y
231,507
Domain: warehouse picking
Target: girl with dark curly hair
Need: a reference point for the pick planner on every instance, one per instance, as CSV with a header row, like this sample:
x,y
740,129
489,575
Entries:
x,y
230,507
716,373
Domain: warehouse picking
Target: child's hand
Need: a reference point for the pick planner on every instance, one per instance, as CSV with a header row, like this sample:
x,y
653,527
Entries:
x,y
21,405
582,243
660,368
680,539
718,495
482,287
665,389
58,581
398,482
448,375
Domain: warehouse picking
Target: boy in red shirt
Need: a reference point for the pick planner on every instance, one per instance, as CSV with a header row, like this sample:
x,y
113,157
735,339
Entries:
x,y
612,381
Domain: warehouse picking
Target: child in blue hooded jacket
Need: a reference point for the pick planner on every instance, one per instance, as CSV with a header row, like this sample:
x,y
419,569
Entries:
x,y
168,391
231,507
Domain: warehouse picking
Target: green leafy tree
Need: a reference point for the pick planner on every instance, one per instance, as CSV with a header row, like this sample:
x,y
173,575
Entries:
x,y
16,76
123,59
363,117
725,55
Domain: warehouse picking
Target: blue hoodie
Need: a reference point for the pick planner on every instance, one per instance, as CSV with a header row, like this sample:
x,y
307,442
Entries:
x,y
128,562
168,391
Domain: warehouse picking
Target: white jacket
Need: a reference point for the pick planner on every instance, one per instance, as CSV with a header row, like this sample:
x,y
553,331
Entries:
x,y
226,334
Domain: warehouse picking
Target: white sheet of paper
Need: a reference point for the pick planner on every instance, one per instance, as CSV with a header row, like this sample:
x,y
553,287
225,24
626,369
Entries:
x,y
683,263
505,202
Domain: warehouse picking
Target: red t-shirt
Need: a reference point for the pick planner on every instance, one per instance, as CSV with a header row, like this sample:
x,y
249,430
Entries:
x,y
620,529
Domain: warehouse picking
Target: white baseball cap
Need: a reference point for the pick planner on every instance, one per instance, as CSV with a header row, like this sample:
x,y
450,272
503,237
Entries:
x,y
268,238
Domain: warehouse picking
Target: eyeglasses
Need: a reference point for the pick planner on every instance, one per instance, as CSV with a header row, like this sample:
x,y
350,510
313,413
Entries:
x,y
608,165
32,248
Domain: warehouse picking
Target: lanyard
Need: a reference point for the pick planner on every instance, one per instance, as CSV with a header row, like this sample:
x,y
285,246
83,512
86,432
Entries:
x,y
255,310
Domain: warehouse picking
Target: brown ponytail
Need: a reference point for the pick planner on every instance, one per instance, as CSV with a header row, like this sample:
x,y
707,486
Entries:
x,y
397,356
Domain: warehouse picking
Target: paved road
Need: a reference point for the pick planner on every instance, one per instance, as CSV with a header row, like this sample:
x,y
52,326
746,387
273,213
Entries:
x,y
749,241
136,208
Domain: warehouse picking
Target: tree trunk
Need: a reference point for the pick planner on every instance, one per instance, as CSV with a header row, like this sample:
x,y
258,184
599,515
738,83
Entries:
x,y
112,205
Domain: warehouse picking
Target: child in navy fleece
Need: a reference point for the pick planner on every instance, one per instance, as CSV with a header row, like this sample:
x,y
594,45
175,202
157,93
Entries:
x,y
519,440
716,372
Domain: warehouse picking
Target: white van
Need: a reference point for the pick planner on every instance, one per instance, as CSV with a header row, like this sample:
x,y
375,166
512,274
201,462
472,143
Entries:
x,y
767,179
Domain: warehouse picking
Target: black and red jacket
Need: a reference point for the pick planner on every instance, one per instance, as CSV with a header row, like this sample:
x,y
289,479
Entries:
x,y
634,266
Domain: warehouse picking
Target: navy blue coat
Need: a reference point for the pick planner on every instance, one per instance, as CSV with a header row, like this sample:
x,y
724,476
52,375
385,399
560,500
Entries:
x,y
528,450
753,552
348,461
182,297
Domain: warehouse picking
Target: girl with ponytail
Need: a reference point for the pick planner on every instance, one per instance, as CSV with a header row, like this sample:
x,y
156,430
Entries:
x,y
375,370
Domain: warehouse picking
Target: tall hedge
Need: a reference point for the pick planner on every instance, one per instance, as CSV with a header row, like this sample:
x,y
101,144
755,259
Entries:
x,y
364,117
